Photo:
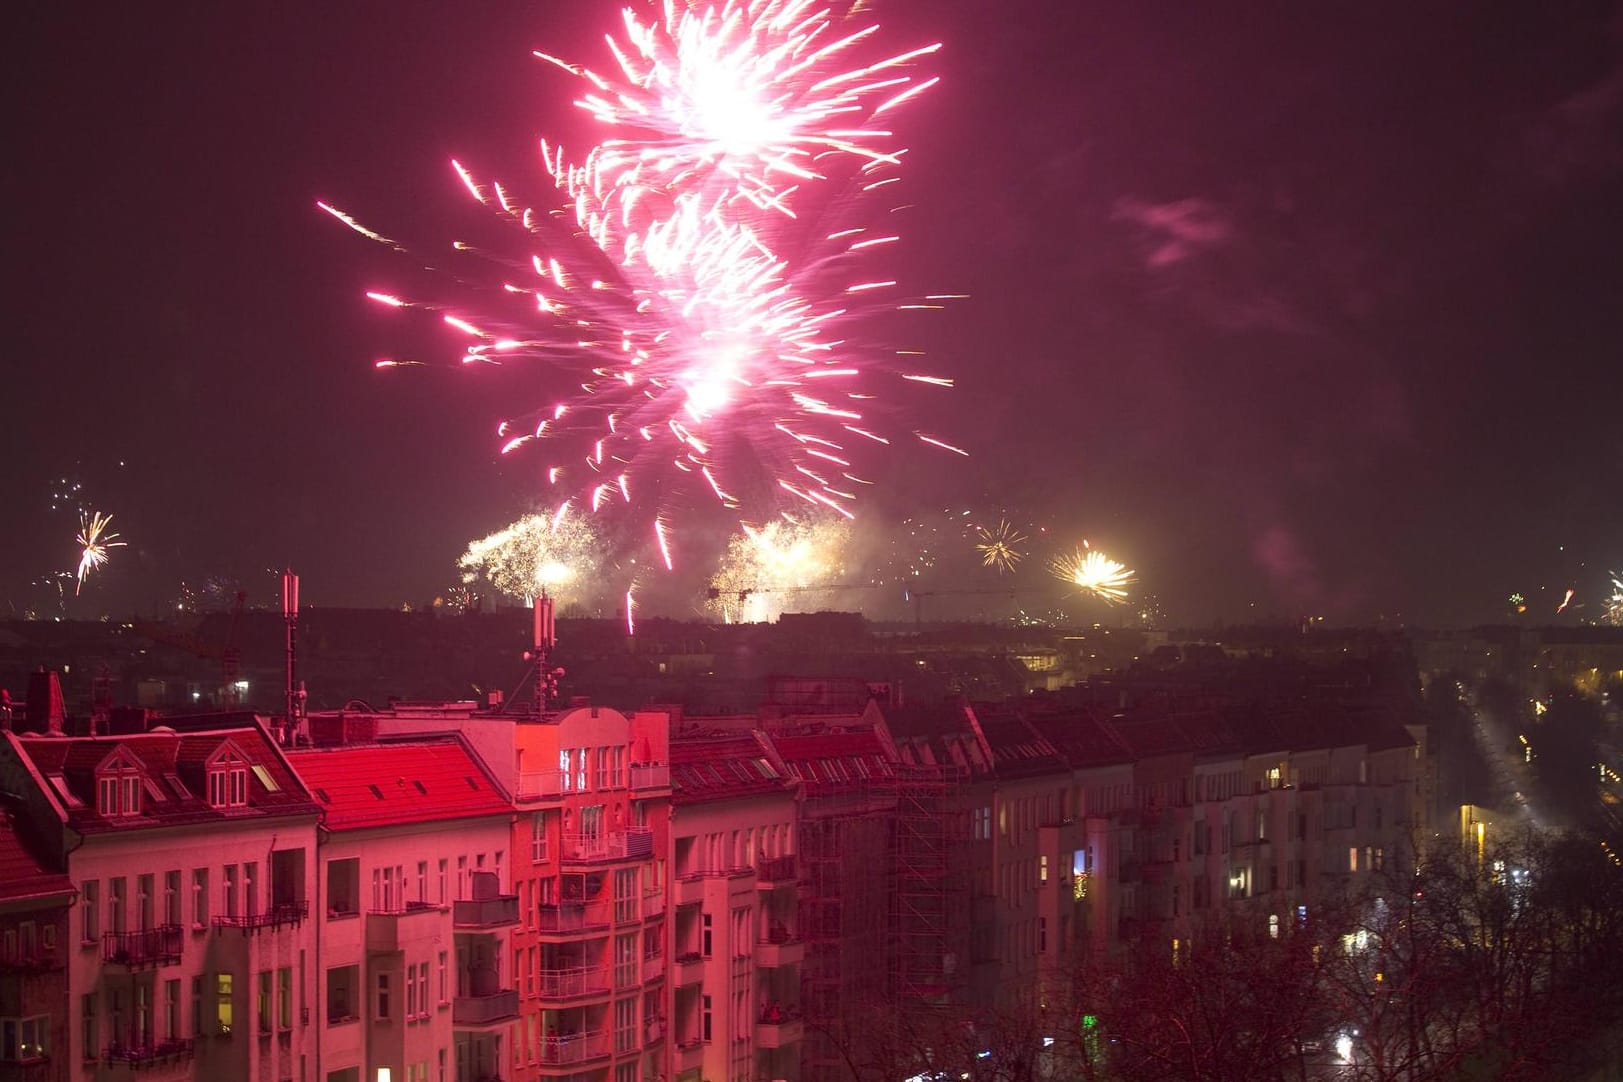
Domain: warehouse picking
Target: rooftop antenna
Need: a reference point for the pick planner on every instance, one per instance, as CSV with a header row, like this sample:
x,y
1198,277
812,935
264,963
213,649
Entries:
x,y
543,637
290,616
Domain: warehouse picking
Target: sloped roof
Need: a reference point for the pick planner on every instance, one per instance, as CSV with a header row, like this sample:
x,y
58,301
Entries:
x,y
375,785
717,765
836,758
22,874
174,766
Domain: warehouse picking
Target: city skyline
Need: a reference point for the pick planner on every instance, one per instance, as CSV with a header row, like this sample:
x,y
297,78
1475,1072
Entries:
x,y
1297,313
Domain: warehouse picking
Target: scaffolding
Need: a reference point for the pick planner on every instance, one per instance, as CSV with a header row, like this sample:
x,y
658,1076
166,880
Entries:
x,y
929,916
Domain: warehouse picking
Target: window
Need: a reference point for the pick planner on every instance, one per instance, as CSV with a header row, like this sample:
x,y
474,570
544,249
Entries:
x,y
228,778
87,1024
171,897
625,1024
1042,868
222,1004
171,1010
284,998
704,1017
538,837
627,961
442,880
89,908
382,1010
741,932
1042,935
704,939
422,881
25,1040
1352,858
118,786
115,904
444,982
264,1012
200,897
411,991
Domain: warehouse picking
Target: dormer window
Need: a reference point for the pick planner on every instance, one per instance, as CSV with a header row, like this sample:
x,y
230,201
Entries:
x,y
228,778
118,786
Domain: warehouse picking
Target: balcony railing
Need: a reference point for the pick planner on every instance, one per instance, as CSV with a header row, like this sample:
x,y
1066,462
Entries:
x,y
158,946
543,785
573,917
635,844
37,960
484,1010
773,870
653,967
569,983
142,1054
387,930
277,915
574,1047
650,776
653,903
485,912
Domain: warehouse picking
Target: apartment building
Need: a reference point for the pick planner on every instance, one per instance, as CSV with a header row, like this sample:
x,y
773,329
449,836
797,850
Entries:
x,y
190,952
34,907
414,911
734,998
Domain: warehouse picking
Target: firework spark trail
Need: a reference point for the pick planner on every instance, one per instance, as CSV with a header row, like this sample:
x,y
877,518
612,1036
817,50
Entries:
x,y
554,552
999,546
94,541
679,275
1614,603
1091,571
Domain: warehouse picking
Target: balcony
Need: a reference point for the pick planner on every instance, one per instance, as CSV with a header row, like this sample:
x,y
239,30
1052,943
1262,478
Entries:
x,y
689,1052
689,888
772,953
689,969
574,918
772,872
495,1008
543,785
146,1055
619,845
158,946
779,1027
574,983
574,1048
37,960
653,904
650,776
476,913
392,930
653,967
288,913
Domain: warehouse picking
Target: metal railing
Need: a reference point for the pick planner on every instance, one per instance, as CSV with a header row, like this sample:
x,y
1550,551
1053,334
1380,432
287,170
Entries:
x,y
158,946
485,912
483,1010
650,776
574,1047
575,981
775,869
277,915
634,844
573,917
136,1055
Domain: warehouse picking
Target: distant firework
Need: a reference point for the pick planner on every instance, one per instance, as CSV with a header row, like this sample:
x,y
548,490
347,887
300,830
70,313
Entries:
x,y
1000,546
1614,602
776,567
95,541
554,553
1091,571
687,290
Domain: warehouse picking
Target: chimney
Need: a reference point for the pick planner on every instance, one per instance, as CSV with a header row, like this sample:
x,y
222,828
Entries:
x,y
45,711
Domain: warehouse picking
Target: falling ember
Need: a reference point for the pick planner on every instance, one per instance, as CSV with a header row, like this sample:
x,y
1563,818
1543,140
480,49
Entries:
x,y
631,619
675,286
94,542
1091,571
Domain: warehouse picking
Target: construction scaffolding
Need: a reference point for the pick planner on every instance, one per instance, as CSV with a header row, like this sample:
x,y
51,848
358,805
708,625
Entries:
x,y
929,914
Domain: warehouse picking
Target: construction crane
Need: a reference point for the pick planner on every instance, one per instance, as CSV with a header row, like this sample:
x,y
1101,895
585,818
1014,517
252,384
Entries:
x,y
918,596
228,653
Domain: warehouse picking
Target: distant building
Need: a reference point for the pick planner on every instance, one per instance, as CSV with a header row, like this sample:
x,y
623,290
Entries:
x,y
35,903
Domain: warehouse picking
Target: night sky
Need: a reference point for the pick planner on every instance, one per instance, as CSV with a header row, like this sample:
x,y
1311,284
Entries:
x,y
1301,309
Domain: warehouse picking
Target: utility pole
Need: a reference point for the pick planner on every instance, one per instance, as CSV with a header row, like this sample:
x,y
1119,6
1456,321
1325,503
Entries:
x,y
290,616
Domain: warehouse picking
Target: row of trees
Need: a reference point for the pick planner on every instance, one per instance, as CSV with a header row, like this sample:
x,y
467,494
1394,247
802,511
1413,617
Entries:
x,y
1502,964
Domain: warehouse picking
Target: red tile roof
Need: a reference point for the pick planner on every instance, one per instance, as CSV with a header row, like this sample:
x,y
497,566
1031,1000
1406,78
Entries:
x,y
719,765
373,785
22,874
175,768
